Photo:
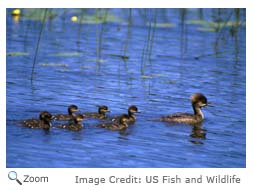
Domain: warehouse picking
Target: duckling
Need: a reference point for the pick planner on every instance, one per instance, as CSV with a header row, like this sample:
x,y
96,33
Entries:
x,y
116,126
71,114
101,114
44,121
74,124
131,117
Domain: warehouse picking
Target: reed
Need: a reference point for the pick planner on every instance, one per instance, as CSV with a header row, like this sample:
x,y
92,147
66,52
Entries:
x,y
38,45
183,32
224,23
129,33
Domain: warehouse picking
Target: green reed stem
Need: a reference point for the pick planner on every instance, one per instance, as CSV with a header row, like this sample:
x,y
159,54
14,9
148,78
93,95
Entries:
x,y
38,44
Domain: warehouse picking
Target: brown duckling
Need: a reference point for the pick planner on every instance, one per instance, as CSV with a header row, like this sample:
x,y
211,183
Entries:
x,y
74,124
101,114
131,117
44,121
71,114
116,126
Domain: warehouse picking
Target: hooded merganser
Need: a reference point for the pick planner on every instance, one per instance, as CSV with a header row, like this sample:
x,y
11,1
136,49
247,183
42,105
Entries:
x,y
116,126
131,117
101,114
198,101
43,122
74,124
71,114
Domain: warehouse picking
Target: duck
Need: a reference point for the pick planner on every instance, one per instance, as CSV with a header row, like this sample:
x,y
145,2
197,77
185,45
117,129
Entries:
x,y
198,100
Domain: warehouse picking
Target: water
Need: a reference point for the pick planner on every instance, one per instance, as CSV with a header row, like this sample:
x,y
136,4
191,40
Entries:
x,y
184,60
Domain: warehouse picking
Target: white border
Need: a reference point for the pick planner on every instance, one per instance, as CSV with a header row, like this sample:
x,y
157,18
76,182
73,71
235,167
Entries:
x,y
61,177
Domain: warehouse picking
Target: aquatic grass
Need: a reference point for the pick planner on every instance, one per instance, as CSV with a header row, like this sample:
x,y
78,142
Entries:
x,y
148,43
159,75
34,14
123,57
66,54
221,22
96,16
156,75
146,77
38,43
199,22
54,65
63,70
82,35
99,17
162,25
97,60
80,25
98,20
212,54
129,33
211,26
234,33
216,24
154,26
183,32
221,32
100,37
206,29
87,67
17,54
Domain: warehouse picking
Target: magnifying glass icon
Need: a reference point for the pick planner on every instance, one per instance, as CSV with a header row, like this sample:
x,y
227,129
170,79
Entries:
x,y
14,176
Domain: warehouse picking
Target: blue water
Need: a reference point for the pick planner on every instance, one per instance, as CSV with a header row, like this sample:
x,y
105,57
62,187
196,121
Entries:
x,y
183,61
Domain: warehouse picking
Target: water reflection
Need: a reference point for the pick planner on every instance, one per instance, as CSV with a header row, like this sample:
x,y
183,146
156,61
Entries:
x,y
198,133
